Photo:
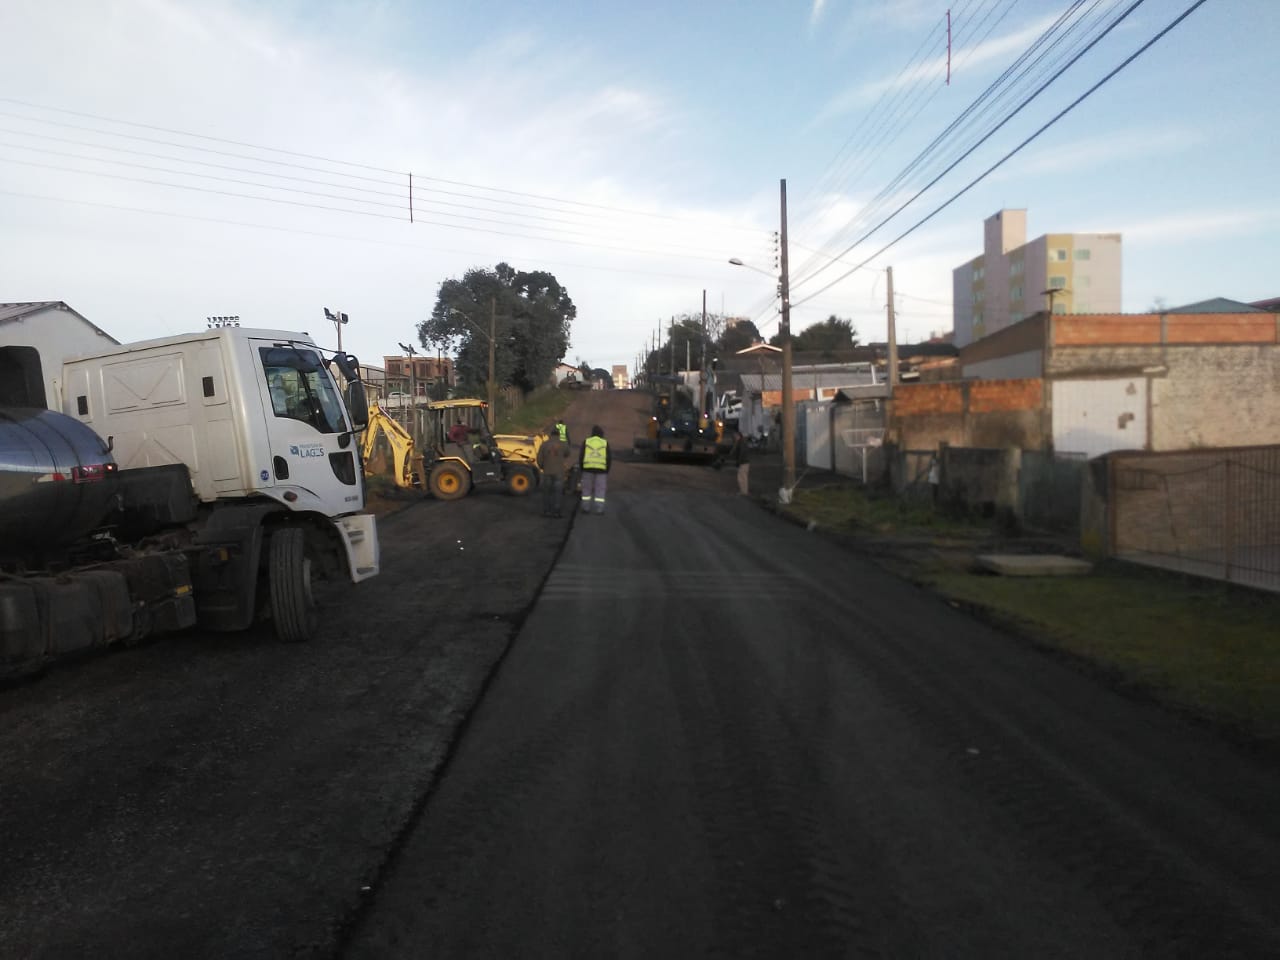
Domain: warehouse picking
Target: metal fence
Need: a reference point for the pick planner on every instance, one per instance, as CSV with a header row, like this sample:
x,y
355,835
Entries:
x,y
1213,513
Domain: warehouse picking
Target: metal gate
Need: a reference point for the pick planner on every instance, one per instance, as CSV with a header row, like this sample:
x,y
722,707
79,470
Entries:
x,y
1213,513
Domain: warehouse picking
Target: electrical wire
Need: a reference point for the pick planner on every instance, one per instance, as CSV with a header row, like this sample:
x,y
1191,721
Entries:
x,y
403,175
876,148
985,137
1054,119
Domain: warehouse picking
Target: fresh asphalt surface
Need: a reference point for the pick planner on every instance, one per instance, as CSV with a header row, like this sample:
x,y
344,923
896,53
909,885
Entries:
x,y
708,732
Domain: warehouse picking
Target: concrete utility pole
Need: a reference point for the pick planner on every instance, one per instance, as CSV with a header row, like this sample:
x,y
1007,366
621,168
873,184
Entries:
x,y
788,400
493,344
893,336
702,373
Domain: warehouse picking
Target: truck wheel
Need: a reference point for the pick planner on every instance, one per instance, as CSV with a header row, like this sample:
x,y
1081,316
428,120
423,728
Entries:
x,y
289,571
520,481
449,482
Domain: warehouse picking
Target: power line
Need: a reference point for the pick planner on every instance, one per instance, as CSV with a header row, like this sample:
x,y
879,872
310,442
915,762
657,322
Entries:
x,y
587,205
172,214
876,147
985,137
982,176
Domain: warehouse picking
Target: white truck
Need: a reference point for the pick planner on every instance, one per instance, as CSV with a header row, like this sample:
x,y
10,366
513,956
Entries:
x,y
212,479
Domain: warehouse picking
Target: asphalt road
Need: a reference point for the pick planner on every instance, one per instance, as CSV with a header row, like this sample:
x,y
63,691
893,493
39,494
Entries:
x,y
718,734
706,733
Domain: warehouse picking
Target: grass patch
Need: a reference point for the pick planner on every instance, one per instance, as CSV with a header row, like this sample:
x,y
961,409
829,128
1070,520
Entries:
x,y
538,411
851,509
1203,646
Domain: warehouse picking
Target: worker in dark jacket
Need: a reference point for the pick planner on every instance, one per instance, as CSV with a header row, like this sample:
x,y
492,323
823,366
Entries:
x,y
555,460
595,461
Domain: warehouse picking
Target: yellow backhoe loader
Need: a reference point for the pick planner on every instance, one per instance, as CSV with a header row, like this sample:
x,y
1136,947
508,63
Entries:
x,y
457,451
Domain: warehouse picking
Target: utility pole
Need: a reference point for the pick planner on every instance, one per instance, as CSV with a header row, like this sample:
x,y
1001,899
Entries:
x,y
702,373
788,400
339,320
893,336
493,376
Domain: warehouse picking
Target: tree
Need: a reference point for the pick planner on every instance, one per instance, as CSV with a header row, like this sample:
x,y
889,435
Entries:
x,y
688,340
738,337
827,337
534,317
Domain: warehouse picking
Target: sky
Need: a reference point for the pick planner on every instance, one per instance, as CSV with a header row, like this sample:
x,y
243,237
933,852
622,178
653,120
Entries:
x,y
163,161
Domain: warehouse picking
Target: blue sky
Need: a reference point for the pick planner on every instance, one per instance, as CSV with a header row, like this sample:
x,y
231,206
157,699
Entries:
x,y
630,149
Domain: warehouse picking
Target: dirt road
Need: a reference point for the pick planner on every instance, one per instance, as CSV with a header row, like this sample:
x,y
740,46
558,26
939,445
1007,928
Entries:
x,y
713,734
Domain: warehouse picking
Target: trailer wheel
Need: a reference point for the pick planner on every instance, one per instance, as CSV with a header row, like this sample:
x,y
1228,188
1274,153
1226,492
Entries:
x,y
520,481
449,482
289,571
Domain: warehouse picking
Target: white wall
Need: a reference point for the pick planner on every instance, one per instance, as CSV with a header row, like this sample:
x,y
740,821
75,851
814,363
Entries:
x,y
57,335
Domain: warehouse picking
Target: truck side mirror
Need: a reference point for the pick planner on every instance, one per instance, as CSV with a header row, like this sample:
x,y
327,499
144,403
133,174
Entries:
x,y
357,405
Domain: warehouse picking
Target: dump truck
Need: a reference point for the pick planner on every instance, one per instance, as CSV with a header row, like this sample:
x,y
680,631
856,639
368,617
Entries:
x,y
210,479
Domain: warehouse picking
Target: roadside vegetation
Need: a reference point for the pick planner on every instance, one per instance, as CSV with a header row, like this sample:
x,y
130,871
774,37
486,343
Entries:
x,y
1204,647
539,409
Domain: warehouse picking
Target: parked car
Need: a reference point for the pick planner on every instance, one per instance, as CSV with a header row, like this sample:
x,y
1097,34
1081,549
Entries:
x,y
396,400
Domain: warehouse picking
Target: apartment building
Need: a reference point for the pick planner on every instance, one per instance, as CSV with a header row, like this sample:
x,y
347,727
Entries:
x,y
419,375
1012,279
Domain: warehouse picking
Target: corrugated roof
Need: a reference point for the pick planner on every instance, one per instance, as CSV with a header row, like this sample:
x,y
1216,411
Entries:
x,y
16,311
1215,305
19,311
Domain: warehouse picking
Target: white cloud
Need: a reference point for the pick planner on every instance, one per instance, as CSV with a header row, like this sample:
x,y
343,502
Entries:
x,y
1195,226
501,113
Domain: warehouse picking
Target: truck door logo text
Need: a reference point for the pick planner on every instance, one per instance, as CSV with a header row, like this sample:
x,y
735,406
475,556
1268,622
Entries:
x,y
307,450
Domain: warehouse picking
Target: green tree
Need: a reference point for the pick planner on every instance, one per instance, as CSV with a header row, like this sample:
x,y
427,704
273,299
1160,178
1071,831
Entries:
x,y
738,337
827,337
534,318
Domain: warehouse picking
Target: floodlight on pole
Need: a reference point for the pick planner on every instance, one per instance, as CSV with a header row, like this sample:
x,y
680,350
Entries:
x,y
339,320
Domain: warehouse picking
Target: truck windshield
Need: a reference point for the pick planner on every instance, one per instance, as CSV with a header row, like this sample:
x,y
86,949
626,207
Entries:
x,y
301,388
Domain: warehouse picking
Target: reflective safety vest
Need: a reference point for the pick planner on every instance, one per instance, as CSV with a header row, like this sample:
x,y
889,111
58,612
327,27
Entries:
x,y
563,430
595,454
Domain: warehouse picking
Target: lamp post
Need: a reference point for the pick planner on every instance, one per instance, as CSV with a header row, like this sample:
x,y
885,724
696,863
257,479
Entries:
x,y
413,390
339,320
784,332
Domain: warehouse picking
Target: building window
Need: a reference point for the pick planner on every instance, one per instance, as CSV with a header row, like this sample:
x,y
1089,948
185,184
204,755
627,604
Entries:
x,y
1015,268
1058,254
1015,293
1082,253
1059,308
1083,281
1058,283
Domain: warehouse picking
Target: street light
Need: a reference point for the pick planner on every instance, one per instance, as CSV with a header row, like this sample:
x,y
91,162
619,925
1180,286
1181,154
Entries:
x,y
492,336
339,320
784,333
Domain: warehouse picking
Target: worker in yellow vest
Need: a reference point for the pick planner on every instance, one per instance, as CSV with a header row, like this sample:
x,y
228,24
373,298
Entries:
x,y
595,461
562,430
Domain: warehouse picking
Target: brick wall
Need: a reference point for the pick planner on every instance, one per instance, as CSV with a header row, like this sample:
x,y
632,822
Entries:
x,y
970,413
1216,396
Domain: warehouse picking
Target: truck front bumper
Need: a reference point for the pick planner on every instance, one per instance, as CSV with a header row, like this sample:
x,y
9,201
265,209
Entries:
x,y
359,533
